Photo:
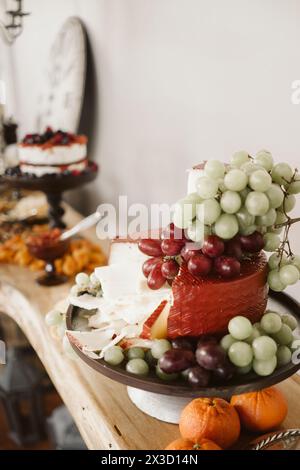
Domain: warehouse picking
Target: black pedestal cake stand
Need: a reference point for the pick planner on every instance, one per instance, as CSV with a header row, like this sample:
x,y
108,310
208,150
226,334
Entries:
x,y
53,186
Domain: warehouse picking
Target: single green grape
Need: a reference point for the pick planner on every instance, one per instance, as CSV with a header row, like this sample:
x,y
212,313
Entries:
x,y
271,322
82,280
207,188
240,327
289,203
230,202
245,219
159,347
257,203
289,275
236,180
114,356
296,261
266,220
294,187
260,180
226,226
244,370
276,259
214,169
265,368
240,354
264,348
239,158
282,173
135,353
184,213
209,211
227,341
284,336
53,318
163,376
94,280
264,159
275,282
290,321
137,366
275,196
272,242
284,356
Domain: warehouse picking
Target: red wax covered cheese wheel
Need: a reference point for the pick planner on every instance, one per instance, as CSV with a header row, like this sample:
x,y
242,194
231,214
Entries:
x,y
205,305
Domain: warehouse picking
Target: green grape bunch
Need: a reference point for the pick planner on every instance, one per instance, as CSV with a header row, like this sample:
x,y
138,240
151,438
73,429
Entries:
x,y
250,196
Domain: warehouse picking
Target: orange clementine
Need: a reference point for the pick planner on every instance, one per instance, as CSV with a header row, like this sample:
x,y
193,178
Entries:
x,y
261,411
210,418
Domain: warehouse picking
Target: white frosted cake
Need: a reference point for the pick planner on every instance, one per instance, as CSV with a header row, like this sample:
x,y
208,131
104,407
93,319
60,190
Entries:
x,y
53,153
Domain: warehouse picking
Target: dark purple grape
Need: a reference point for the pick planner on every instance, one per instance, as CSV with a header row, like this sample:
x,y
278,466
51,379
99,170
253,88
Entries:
x,y
227,267
200,265
206,339
225,372
150,247
198,377
170,269
176,360
210,356
252,243
149,264
183,343
156,279
213,246
172,247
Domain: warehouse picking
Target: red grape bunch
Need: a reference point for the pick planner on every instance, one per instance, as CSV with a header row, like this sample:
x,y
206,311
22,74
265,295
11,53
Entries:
x,y
216,256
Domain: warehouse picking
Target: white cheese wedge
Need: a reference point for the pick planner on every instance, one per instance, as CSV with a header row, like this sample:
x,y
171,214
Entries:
x,y
94,340
118,280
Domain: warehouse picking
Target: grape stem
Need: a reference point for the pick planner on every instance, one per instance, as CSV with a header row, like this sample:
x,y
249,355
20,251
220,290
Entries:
x,y
285,246
289,222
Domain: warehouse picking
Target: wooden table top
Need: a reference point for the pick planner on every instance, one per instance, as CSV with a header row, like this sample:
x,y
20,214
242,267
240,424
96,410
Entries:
x,y
105,416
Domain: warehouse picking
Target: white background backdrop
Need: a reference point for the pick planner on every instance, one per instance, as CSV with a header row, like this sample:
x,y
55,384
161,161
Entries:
x,y
177,81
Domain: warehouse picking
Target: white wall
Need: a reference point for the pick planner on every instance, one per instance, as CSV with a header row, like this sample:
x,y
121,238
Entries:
x,y
178,81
